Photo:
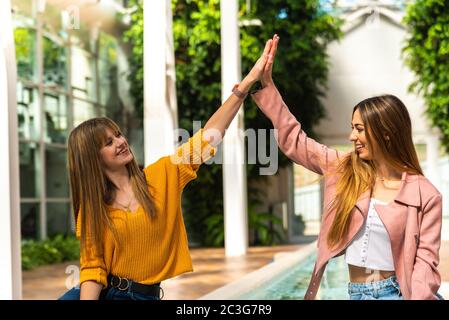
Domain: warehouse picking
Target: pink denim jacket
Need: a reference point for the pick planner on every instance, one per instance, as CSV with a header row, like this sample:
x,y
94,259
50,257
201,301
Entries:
x,y
413,220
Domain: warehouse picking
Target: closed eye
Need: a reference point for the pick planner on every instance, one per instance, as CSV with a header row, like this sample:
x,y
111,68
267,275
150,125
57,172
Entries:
x,y
108,142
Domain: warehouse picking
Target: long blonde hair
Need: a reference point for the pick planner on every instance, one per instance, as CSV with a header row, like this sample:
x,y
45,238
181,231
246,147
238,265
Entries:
x,y
382,116
91,190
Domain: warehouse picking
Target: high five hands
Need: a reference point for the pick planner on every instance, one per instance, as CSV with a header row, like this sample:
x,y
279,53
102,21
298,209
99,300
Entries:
x,y
262,69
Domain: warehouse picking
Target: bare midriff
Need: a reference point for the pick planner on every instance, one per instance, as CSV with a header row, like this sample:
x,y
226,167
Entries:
x,y
364,275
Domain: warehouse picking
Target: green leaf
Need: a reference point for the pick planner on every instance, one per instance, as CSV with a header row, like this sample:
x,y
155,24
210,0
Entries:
x,y
426,53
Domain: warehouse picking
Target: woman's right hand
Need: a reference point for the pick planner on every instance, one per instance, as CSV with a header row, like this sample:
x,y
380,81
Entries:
x,y
266,78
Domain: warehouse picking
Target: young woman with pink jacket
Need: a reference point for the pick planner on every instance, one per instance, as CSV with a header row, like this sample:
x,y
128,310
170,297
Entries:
x,y
379,210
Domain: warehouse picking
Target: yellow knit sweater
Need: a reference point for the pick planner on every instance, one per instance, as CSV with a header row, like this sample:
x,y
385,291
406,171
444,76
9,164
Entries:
x,y
150,250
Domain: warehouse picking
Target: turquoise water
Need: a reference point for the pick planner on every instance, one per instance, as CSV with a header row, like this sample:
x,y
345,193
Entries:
x,y
292,284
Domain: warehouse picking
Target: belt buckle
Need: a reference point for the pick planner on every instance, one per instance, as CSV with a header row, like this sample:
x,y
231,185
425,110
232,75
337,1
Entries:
x,y
112,282
163,293
120,284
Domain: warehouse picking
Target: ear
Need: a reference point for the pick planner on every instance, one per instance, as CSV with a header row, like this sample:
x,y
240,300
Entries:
x,y
387,140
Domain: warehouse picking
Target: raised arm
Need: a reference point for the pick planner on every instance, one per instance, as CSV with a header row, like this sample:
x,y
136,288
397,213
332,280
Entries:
x,y
191,154
292,140
218,123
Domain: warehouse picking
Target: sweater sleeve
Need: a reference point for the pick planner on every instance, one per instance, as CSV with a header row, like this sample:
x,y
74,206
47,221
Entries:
x,y
190,155
292,140
426,279
92,266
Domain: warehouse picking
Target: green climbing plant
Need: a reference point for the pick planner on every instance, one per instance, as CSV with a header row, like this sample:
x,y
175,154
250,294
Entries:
x,y
426,52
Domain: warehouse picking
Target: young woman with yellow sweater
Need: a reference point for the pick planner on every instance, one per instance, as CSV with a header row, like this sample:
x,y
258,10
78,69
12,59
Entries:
x,y
130,222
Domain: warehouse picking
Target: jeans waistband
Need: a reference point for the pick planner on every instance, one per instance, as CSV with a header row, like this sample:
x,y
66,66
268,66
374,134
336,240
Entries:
x,y
375,285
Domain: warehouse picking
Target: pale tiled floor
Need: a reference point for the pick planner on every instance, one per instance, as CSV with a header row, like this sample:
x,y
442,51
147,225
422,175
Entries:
x,y
212,270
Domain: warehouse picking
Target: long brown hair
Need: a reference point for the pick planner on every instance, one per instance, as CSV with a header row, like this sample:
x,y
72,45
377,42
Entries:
x,y
383,116
91,190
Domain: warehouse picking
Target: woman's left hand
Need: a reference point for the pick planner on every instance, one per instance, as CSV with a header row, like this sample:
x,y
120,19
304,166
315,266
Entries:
x,y
256,72
222,118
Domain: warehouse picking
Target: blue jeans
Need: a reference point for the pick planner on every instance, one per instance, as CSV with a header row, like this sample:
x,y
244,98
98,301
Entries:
x,y
108,294
387,289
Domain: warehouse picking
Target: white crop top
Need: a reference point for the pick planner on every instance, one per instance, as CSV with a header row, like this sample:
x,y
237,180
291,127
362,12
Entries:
x,y
371,247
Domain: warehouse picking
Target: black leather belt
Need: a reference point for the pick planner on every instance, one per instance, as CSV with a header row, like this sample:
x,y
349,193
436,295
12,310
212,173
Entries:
x,y
124,284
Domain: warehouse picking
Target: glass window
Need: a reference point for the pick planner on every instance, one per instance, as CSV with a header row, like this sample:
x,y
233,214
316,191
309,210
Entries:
x,y
83,36
59,219
102,112
107,65
135,139
53,20
83,75
30,169
29,220
56,122
56,172
55,63
25,43
83,110
27,113
23,8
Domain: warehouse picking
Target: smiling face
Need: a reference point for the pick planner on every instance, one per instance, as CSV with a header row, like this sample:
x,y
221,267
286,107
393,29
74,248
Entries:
x,y
358,137
115,152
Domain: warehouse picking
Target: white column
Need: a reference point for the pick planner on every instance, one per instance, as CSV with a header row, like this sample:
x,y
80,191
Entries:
x,y
10,262
432,161
160,110
234,170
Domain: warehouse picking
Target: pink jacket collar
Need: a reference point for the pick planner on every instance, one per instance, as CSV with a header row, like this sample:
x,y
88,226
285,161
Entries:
x,y
409,193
